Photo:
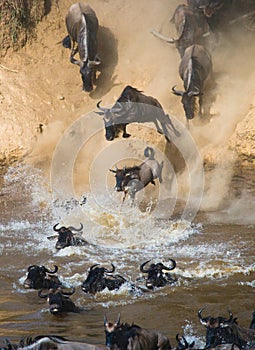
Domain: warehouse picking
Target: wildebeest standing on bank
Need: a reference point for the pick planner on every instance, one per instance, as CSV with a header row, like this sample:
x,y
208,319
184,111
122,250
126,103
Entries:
x,y
82,26
134,107
194,69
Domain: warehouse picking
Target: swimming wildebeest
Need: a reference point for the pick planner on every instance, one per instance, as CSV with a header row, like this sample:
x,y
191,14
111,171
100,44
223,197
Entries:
x,y
158,274
122,336
59,301
195,68
66,237
134,107
100,278
133,179
39,277
50,342
191,26
82,27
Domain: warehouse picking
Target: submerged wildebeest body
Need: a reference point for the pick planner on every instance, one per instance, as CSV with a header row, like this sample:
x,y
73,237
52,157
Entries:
x,y
39,277
158,274
191,26
134,107
133,179
195,69
49,342
216,334
66,238
122,336
82,26
59,301
99,278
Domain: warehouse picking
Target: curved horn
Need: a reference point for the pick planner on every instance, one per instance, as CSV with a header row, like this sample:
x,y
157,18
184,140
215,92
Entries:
x,y
69,293
55,227
162,37
142,269
101,108
230,316
117,322
74,61
193,93
93,266
201,319
41,295
113,171
112,270
94,63
177,92
54,271
166,269
76,229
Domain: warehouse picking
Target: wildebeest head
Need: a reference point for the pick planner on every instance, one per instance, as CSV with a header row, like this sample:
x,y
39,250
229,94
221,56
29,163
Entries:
x,y
124,176
87,71
157,274
215,333
36,276
210,7
110,328
95,281
57,300
188,100
114,119
65,236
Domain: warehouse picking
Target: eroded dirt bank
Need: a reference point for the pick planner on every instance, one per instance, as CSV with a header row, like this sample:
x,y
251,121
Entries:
x,y
40,91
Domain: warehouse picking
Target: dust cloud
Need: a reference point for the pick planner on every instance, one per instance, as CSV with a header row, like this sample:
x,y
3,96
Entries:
x,y
131,55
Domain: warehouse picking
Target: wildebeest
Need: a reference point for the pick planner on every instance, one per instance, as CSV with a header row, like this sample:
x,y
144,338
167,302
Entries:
x,y
100,278
195,68
252,324
191,26
123,336
133,179
39,277
66,237
215,333
50,342
82,26
158,274
134,107
59,301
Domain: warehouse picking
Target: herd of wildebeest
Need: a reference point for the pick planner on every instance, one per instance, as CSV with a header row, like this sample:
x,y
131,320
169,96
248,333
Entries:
x,y
196,23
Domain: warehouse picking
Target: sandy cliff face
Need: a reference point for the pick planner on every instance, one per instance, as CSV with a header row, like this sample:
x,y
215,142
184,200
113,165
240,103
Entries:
x,y
40,86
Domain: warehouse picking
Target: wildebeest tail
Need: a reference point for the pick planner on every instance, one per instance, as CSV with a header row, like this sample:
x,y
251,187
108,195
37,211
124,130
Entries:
x,y
149,152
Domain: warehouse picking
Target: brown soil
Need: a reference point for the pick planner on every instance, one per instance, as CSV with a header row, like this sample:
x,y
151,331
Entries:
x,y
41,95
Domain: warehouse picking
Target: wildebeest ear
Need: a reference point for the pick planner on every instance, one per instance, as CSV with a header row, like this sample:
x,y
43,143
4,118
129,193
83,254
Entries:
x,y
113,171
52,237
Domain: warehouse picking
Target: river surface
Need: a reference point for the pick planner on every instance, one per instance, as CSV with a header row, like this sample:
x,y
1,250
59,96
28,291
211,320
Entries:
x,y
215,265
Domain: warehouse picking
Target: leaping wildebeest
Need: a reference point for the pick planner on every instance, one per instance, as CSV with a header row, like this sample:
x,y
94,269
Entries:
x,y
158,274
100,278
123,336
195,69
134,107
133,179
66,237
82,26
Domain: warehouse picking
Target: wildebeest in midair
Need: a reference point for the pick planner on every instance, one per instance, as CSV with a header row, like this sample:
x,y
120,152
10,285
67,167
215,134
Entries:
x,y
66,238
134,107
158,274
39,277
100,278
82,26
133,179
195,69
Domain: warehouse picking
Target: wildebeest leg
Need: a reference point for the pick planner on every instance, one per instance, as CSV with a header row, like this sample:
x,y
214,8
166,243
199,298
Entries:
x,y
125,134
159,130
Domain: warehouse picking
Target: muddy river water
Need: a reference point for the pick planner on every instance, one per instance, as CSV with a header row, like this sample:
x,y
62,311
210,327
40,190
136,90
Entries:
x,y
215,265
